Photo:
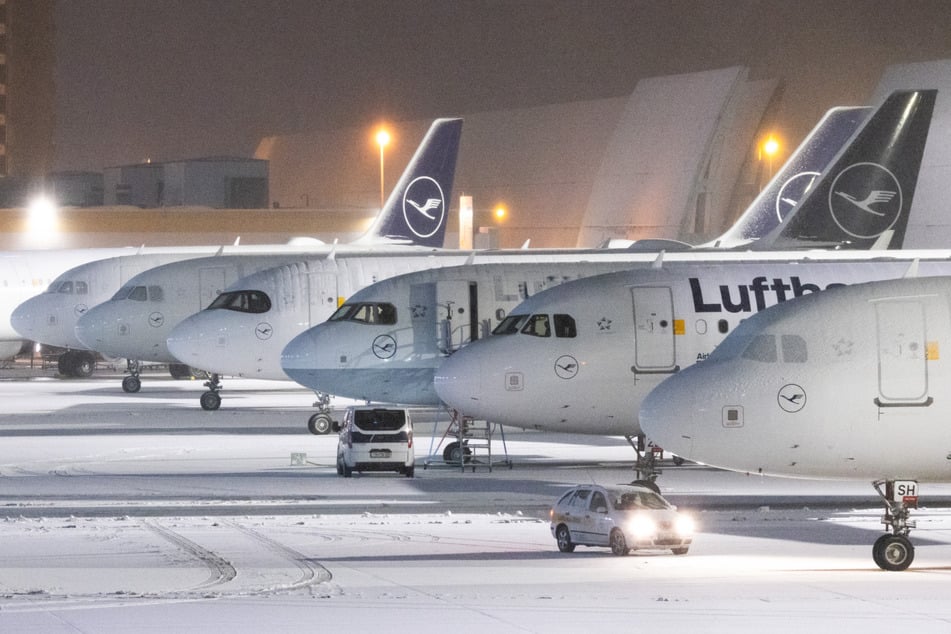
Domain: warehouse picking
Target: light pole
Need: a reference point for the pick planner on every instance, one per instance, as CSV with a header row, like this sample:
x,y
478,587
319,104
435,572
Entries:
x,y
382,139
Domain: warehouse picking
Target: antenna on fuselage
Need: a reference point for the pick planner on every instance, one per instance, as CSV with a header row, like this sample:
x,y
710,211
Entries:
x,y
659,262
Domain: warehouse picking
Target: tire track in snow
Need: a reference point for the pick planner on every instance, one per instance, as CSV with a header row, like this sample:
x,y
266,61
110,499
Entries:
x,y
222,571
311,573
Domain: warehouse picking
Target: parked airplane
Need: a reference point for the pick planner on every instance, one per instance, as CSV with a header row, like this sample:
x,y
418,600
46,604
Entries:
x,y
50,317
24,274
340,357
230,341
843,384
135,323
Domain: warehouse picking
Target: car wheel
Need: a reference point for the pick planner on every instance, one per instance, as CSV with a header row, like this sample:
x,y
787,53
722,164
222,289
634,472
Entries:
x,y
679,551
563,538
618,543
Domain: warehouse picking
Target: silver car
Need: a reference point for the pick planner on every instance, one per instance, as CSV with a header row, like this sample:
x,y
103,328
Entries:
x,y
623,517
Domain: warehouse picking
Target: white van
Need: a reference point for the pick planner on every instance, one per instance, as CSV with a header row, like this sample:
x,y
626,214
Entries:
x,y
375,439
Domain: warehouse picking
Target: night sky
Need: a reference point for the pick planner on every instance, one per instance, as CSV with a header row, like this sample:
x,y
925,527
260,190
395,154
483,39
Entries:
x,y
176,79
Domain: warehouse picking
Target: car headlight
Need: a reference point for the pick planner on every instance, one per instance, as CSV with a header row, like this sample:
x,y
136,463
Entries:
x,y
685,525
642,527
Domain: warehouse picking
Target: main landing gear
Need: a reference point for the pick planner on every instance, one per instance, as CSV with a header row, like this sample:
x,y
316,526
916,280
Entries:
x,y
894,551
211,400
321,422
77,363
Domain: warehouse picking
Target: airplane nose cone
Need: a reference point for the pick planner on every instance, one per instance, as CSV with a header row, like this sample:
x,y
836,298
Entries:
x,y
668,415
24,319
458,380
94,329
298,359
185,341
49,319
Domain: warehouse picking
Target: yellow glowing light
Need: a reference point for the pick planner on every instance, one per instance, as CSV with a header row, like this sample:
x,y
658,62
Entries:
x,y
382,138
500,212
771,146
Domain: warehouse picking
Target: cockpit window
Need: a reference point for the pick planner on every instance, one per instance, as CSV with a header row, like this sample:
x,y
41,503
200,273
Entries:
x,y
139,294
565,326
378,313
342,313
66,288
794,349
510,325
122,293
537,326
254,302
761,348
82,288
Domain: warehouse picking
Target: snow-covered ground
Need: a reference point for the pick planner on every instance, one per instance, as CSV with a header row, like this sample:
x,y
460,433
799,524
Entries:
x,y
143,513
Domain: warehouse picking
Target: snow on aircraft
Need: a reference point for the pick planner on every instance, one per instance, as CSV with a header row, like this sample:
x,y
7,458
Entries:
x,y
624,332
849,383
228,339
135,322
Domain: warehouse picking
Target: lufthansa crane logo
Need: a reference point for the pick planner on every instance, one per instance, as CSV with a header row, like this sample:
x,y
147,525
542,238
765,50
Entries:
x,y
80,309
263,331
424,206
865,200
384,346
791,398
792,191
156,320
566,367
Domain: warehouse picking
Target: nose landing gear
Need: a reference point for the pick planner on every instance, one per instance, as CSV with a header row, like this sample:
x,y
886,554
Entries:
x,y
211,400
894,551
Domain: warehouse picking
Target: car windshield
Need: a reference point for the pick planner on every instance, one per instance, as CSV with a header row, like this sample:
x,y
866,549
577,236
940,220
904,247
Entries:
x,y
638,500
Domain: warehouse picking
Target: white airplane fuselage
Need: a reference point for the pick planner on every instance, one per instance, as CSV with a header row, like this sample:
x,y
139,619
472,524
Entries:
x,y
632,330
24,274
847,384
136,321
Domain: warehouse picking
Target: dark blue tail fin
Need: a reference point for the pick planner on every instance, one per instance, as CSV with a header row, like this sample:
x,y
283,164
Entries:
x,y
868,189
418,207
794,179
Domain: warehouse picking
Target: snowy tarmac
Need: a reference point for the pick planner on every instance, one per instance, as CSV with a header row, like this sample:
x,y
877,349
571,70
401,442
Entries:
x,y
142,512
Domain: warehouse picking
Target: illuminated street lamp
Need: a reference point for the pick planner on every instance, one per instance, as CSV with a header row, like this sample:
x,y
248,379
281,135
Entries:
x,y
770,149
500,213
382,139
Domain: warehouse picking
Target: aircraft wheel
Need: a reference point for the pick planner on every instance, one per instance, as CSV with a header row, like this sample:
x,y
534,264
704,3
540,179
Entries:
x,y
619,545
210,401
319,424
679,551
893,552
131,384
64,364
454,454
563,539
83,365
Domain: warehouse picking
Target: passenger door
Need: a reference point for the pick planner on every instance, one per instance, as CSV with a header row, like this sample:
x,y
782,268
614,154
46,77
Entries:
x,y
653,329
